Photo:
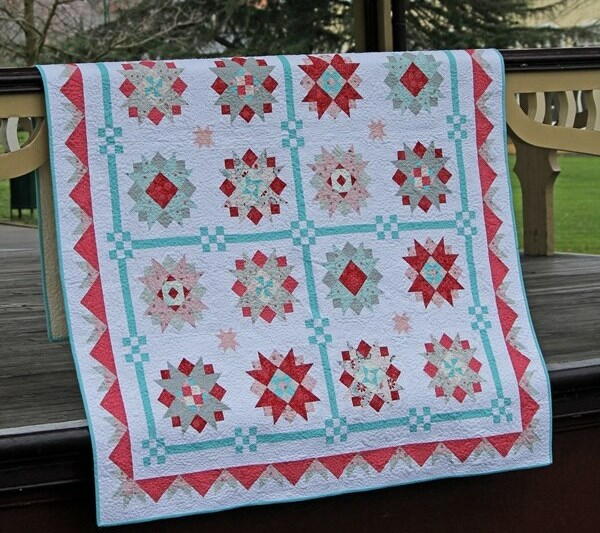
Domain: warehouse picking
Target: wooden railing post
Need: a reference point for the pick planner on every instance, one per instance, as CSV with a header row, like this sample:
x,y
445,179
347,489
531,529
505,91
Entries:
x,y
373,25
543,116
537,169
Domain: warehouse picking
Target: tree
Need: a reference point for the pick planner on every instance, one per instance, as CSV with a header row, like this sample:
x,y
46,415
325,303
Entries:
x,y
83,30
30,27
450,24
195,28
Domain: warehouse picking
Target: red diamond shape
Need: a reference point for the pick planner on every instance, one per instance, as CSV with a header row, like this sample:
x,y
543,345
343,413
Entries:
x,y
353,278
186,367
161,190
166,398
239,288
254,215
269,84
474,365
277,185
414,79
444,175
376,402
155,115
424,203
364,348
249,158
198,423
399,177
127,88
393,372
197,399
446,341
289,284
227,188
179,86
430,369
247,113
217,391
219,86
259,259
346,379
267,314
173,292
420,150
459,394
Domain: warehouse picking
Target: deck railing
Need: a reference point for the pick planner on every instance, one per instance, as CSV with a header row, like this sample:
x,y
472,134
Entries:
x,y
552,104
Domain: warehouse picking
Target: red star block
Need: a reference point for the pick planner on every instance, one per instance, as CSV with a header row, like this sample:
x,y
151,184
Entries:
x,y
322,98
300,395
445,260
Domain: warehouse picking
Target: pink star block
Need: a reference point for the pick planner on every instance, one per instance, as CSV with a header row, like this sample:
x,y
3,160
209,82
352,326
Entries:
x,y
204,137
402,323
376,130
227,339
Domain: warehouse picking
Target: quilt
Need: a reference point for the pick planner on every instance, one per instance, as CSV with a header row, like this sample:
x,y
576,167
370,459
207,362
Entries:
x,y
291,277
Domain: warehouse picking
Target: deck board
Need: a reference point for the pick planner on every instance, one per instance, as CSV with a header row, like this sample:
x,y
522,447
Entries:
x,y
37,378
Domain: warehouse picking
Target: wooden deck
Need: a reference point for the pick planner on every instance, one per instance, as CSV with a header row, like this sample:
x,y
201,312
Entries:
x,y
37,378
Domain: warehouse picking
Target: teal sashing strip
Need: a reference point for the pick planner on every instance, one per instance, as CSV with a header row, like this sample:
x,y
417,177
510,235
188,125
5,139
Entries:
x,y
122,262
306,255
320,433
372,228
266,236
111,158
468,238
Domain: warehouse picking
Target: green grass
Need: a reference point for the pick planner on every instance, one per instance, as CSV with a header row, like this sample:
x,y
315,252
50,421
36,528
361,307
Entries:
x,y
26,218
4,199
576,204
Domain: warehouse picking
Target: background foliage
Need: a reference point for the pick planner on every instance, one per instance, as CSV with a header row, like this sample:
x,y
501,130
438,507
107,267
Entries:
x,y
35,31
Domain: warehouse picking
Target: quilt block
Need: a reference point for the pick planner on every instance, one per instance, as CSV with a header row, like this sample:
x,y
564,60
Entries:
x,y
290,277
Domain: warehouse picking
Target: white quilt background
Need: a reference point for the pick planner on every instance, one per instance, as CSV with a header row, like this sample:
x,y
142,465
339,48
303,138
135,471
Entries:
x,y
120,499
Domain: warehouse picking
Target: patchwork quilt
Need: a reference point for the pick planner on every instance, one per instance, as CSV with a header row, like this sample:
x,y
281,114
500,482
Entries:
x,y
291,277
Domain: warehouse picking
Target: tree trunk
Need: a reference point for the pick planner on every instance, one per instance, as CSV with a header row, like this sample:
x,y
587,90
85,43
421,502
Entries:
x,y
30,35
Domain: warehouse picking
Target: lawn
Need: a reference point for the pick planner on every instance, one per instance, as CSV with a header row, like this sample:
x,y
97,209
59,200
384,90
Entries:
x,y
26,216
576,204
